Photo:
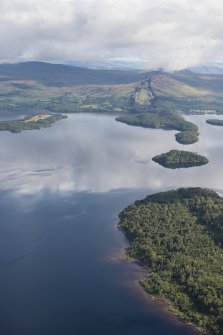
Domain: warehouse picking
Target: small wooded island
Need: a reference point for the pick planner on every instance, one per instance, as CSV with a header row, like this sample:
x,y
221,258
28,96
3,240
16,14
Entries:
x,y
179,235
176,159
215,122
187,137
31,122
167,120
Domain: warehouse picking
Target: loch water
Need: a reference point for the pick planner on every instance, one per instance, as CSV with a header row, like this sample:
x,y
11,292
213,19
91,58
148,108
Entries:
x,y
62,265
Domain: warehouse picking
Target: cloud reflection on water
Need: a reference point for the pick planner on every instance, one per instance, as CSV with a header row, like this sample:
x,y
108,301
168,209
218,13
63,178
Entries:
x,y
93,152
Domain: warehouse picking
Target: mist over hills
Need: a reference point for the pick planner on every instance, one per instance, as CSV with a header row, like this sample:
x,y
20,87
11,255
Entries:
x,y
209,68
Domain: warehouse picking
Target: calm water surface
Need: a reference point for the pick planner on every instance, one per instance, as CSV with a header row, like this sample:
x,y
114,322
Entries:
x,y
61,191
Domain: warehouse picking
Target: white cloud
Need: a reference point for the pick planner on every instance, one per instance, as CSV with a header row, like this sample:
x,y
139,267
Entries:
x,y
167,33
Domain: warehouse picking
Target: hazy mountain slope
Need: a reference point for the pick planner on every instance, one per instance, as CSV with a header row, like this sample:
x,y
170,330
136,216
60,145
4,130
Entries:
x,y
162,85
211,82
213,68
65,75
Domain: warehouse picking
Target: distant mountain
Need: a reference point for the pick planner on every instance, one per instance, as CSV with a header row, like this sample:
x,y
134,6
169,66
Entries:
x,y
210,82
65,75
109,65
65,88
212,68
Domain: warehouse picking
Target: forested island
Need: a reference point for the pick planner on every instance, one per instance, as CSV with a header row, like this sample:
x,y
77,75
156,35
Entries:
x,y
30,122
167,120
215,122
175,159
179,235
187,137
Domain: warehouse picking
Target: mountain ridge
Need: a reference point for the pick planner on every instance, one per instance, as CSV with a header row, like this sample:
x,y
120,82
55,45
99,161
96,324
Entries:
x,y
65,88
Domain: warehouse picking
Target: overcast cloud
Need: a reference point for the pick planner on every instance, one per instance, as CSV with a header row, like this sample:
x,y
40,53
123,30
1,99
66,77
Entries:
x,y
163,33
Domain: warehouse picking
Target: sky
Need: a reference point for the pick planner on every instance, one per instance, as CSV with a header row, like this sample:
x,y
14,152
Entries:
x,y
172,34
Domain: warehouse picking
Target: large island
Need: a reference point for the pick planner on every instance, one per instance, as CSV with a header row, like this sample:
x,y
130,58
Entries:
x,y
176,159
167,120
179,235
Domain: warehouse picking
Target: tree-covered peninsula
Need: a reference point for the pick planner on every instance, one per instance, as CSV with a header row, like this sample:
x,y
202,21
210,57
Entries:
x,y
179,235
215,122
30,122
176,159
167,120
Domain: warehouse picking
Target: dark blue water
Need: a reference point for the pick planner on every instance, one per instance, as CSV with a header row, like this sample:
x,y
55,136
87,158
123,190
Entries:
x,y
60,250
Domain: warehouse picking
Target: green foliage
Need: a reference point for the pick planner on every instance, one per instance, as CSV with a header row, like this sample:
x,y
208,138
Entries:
x,y
168,120
16,126
179,235
187,137
180,159
215,122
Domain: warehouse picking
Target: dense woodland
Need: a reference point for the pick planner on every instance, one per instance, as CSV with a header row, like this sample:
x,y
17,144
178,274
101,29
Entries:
x,y
176,159
179,236
166,119
187,137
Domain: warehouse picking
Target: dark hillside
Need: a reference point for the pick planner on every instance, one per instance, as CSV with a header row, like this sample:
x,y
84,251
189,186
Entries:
x,y
65,75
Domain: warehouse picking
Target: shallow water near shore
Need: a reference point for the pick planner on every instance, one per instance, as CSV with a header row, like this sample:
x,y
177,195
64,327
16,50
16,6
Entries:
x,y
61,191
